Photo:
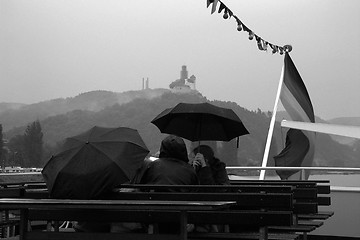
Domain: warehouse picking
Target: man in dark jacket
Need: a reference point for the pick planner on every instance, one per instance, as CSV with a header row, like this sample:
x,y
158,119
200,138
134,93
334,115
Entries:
x,y
172,167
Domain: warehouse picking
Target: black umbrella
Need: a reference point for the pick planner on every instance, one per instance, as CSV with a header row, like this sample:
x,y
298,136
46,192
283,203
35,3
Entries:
x,y
200,122
94,162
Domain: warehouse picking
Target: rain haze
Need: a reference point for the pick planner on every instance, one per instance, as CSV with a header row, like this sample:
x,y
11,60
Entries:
x,y
58,49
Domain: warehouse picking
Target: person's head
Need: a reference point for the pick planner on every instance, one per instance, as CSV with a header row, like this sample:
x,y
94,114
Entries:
x,y
173,147
206,151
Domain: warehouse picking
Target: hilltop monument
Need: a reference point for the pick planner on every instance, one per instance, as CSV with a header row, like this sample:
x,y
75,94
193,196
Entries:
x,y
184,84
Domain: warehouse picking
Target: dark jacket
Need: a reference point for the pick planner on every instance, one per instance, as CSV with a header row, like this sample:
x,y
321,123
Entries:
x,y
172,167
214,174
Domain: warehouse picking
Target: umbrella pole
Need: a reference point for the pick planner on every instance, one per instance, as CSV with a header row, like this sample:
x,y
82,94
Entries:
x,y
199,133
198,148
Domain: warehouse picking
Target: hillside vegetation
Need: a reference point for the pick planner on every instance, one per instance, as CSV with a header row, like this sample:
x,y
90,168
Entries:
x,y
16,115
63,118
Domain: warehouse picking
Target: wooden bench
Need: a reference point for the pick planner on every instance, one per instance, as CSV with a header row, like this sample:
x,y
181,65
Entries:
x,y
263,200
259,198
255,208
8,221
306,200
178,212
308,195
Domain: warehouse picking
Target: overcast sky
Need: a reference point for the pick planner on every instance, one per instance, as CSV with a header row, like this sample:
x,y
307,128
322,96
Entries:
x,y
57,49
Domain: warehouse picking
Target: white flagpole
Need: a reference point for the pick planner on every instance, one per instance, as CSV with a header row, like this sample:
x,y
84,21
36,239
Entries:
x,y
271,128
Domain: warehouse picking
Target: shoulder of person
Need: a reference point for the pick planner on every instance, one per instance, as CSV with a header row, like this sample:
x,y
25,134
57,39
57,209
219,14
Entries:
x,y
219,164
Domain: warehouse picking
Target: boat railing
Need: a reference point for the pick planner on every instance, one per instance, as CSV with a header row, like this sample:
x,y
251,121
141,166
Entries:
x,y
340,169
326,170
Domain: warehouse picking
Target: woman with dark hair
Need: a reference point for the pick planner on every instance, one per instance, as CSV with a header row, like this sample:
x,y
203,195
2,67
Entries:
x,y
210,170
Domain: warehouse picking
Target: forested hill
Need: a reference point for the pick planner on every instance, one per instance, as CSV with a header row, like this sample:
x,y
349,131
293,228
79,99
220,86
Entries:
x,y
15,115
139,112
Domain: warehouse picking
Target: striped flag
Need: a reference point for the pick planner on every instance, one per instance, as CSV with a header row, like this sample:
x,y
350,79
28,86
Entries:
x,y
299,149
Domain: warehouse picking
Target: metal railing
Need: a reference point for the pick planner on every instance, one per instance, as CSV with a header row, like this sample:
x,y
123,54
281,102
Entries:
x,y
328,170
340,169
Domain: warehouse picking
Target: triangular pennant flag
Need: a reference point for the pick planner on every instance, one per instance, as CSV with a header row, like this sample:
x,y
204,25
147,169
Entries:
x,y
264,45
226,15
230,13
222,7
274,48
246,28
215,2
260,44
281,50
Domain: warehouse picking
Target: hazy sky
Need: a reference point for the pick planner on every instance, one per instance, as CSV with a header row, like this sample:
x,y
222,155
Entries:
x,y
57,49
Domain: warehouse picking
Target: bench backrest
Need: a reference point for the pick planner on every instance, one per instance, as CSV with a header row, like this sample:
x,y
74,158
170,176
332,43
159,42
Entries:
x,y
309,205
12,192
245,201
304,190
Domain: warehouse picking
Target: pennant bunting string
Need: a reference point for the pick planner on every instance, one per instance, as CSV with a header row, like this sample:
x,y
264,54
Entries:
x,y
261,43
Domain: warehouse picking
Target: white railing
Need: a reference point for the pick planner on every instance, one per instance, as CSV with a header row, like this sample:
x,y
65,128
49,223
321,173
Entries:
x,y
328,170
340,169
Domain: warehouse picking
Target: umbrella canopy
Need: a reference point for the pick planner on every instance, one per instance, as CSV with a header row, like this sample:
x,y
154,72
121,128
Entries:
x,y
200,122
94,162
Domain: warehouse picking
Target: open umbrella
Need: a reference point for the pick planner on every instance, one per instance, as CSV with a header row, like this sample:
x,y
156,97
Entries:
x,y
200,122
94,162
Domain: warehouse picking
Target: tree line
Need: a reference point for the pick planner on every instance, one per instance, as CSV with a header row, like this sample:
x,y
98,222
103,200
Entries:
x,y
24,150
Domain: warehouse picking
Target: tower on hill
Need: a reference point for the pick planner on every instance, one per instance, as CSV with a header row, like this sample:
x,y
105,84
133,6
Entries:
x,y
184,84
145,84
183,73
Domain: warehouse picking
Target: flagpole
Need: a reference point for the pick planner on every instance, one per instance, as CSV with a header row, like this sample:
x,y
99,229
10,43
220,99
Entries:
x,y
271,128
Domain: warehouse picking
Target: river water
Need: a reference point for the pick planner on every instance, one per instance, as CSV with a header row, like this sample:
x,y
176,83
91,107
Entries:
x,y
339,179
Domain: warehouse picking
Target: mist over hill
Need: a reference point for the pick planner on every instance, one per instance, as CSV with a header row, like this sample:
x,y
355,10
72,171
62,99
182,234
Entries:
x,y
16,115
351,121
61,118
348,121
4,106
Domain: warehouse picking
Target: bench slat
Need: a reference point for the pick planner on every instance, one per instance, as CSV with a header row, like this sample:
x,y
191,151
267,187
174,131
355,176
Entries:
x,y
310,223
213,188
243,200
12,192
294,228
97,236
255,218
250,235
319,215
305,207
